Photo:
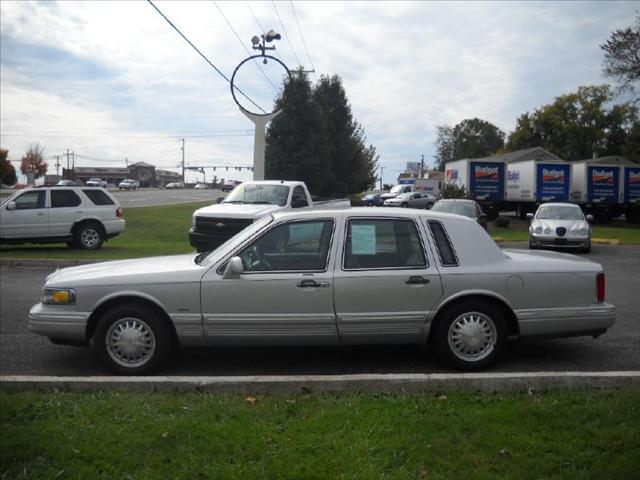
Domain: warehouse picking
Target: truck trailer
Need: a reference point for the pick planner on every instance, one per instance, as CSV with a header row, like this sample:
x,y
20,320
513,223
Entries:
x,y
631,192
595,186
483,179
532,182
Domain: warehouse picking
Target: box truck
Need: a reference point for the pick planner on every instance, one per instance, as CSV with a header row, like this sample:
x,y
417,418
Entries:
x,y
484,180
595,186
532,182
631,192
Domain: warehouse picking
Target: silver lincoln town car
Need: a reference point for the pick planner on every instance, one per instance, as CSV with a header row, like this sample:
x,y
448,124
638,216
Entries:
x,y
328,277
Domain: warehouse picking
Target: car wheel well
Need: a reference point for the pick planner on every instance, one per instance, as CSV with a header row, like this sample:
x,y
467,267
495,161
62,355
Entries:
x,y
95,316
509,316
85,221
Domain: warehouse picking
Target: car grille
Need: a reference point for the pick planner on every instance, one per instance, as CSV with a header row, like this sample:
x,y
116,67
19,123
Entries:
x,y
561,231
227,227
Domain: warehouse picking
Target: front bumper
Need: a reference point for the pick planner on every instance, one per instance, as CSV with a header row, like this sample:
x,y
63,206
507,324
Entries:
x,y
554,241
205,242
58,323
566,321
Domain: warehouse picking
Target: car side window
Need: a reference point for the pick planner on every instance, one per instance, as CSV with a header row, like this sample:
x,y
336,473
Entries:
x,y
383,243
299,199
64,198
30,200
296,246
443,244
98,197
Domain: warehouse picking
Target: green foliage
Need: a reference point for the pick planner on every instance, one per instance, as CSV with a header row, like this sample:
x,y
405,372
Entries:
x,y
471,138
502,222
387,186
119,435
621,58
450,190
577,125
317,140
33,162
7,171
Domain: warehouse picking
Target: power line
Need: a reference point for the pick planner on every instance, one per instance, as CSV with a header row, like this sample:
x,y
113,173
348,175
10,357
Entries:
x,y
284,30
262,29
301,36
203,56
243,45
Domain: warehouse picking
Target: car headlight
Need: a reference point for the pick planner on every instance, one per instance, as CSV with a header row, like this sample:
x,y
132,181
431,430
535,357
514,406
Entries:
x,y
547,230
582,231
575,232
59,296
538,230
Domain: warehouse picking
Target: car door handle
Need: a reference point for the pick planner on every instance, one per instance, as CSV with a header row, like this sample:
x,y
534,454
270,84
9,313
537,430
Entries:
x,y
416,280
312,284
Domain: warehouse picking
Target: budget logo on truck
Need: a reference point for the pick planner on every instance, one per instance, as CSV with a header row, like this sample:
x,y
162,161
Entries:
x,y
487,181
552,175
484,173
601,176
451,174
632,185
602,184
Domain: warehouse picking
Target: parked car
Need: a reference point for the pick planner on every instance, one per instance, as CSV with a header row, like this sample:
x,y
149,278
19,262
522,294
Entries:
x,y
397,190
372,200
66,183
560,225
96,182
328,277
468,208
213,225
201,186
174,185
411,199
129,184
82,217
229,185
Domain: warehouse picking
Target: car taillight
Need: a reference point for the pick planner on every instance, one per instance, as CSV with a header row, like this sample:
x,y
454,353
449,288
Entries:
x,y
119,212
600,287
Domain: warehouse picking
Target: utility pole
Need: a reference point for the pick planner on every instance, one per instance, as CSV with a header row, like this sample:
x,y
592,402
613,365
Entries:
x,y
73,160
57,165
381,171
182,161
422,165
126,162
68,166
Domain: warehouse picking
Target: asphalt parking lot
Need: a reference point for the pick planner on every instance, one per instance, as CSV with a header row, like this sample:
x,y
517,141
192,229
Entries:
x,y
153,196
24,353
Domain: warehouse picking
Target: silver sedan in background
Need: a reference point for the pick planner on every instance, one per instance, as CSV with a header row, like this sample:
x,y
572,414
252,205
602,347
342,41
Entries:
x,y
560,225
411,199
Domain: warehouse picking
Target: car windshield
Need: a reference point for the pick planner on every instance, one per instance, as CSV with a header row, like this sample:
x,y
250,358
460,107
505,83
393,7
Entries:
x,y
397,189
559,212
212,257
459,208
259,193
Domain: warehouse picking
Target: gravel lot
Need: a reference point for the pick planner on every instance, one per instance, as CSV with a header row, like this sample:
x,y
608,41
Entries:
x,y
24,353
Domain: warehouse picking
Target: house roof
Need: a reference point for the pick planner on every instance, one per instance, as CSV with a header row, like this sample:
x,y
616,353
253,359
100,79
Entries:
x,y
141,164
535,153
608,160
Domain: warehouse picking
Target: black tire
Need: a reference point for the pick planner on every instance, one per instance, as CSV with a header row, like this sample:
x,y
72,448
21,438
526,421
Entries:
x,y
154,332
405,205
88,236
488,318
428,206
587,249
532,246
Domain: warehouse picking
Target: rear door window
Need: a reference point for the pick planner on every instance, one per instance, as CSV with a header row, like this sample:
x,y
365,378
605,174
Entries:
x,y
64,198
98,197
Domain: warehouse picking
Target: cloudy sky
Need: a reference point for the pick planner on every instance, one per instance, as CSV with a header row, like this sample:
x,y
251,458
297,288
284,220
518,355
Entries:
x,y
112,80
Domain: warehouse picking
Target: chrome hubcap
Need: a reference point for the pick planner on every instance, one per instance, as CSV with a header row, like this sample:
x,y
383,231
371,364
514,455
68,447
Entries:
x,y
89,237
130,342
472,336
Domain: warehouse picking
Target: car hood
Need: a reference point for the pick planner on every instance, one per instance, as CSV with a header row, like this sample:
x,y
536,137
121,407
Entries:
x,y
236,210
387,196
553,224
548,261
169,269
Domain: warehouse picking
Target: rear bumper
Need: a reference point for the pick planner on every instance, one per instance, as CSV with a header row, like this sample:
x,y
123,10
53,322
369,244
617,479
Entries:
x,y
57,324
114,227
566,321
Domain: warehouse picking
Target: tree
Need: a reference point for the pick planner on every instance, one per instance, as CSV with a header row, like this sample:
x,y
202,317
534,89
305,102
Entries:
x,y
631,148
450,190
317,140
622,57
33,161
7,171
576,125
471,138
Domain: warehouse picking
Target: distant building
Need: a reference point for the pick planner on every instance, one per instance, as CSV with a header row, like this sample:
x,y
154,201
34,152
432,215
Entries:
x,y
146,174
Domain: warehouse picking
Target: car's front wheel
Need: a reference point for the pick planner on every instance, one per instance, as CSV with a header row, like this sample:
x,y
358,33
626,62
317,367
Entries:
x,y
132,340
89,236
470,336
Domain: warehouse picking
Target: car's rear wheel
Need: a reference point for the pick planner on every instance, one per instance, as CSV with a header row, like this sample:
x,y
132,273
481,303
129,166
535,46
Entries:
x,y
132,340
89,236
470,336
404,205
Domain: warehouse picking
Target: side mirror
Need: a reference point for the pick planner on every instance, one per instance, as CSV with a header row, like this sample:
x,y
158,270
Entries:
x,y
530,216
11,206
234,268
589,217
219,199
483,216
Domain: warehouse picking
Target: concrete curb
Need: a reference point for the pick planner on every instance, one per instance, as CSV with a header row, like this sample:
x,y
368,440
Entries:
x,y
295,384
44,263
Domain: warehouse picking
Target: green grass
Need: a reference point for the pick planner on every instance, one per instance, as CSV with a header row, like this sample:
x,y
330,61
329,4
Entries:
x,y
160,230
163,230
573,435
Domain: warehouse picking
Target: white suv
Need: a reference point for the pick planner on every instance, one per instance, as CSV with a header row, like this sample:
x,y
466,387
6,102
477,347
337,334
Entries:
x,y
83,217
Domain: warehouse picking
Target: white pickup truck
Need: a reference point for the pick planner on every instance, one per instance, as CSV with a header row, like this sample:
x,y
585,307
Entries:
x,y
213,225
